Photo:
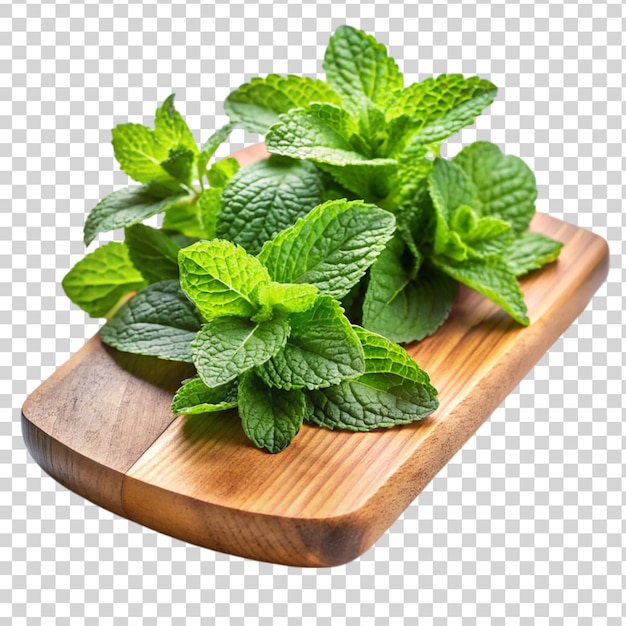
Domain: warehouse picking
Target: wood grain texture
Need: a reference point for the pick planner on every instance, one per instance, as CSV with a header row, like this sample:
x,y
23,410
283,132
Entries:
x,y
102,426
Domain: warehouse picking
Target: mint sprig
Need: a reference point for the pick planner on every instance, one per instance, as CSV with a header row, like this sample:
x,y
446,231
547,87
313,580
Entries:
x,y
458,220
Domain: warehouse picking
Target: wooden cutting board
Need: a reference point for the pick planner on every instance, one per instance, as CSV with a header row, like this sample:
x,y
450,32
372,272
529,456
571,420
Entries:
x,y
101,426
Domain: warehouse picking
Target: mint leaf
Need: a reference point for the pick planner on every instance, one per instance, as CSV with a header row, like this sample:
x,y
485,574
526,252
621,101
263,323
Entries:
x,y
266,197
393,390
180,165
440,107
289,298
505,185
98,282
196,218
171,130
194,397
321,133
220,173
152,252
450,188
406,302
256,105
359,69
530,251
271,418
126,207
140,154
229,346
482,236
492,278
221,278
382,356
328,136
331,247
210,147
322,350
159,321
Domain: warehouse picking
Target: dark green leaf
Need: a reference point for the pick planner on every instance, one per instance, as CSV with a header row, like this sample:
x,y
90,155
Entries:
x,y
159,321
126,207
271,418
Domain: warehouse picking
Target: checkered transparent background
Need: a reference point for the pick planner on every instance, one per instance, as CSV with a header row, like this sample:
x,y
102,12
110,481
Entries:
x,y
525,525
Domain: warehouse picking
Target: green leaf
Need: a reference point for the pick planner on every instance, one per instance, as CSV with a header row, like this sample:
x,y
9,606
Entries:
x,y
220,173
126,207
256,105
331,247
221,278
266,197
450,188
288,298
171,130
439,107
211,145
492,278
98,282
271,418
152,252
403,302
195,219
194,397
505,185
322,350
159,321
229,346
359,69
371,402
482,236
140,154
530,251
328,136
382,356
461,232
393,390
180,165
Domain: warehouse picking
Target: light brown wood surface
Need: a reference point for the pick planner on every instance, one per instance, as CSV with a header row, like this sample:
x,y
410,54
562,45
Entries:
x,y
101,425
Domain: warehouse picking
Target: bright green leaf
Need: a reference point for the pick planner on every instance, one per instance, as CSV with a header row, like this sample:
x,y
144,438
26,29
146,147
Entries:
x,y
220,173
194,398
359,69
140,154
256,105
440,107
171,130
98,282
221,278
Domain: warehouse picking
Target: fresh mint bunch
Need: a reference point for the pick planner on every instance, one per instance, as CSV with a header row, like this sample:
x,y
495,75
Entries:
x,y
459,221
272,329
177,181
373,135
